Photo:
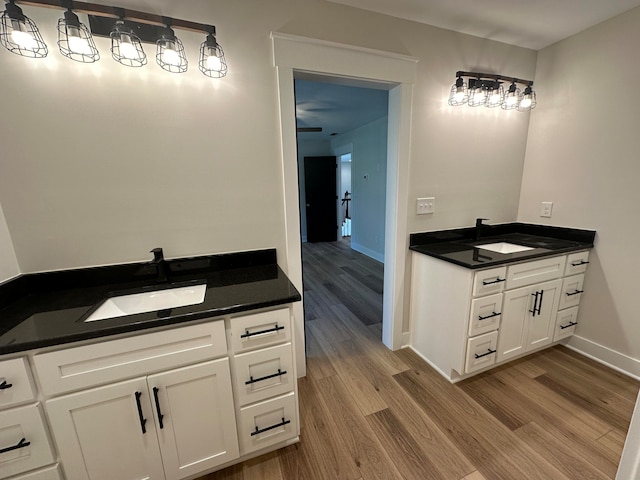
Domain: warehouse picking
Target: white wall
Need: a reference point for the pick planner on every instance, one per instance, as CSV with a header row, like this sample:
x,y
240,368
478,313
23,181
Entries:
x,y
582,154
368,184
8,261
308,148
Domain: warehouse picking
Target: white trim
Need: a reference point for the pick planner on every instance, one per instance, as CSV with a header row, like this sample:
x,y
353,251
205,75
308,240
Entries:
x,y
299,54
606,356
367,251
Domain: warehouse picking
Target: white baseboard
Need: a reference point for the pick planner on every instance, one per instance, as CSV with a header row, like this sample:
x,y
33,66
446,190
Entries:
x,y
367,251
601,354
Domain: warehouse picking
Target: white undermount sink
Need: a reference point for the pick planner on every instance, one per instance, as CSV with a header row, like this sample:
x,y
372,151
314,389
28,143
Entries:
x,y
148,302
504,247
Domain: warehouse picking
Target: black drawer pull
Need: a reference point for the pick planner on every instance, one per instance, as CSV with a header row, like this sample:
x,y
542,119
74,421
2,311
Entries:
x,y
578,263
497,280
537,303
160,415
259,431
4,385
143,420
494,314
21,444
570,324
254,380
489,352
574,293
248,334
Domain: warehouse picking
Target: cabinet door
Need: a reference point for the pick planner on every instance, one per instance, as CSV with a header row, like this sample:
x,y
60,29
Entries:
x,y
513,327
541,324
100,433
195,418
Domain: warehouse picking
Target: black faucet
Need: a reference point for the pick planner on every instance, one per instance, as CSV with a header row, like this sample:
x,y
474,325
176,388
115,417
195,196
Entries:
x,y
478,230
160,263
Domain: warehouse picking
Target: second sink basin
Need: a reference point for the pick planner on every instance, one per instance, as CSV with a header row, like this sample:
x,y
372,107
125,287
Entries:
x,y
504,247
148,302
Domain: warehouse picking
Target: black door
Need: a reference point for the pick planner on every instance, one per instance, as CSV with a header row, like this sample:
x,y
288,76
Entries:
x,y
320,192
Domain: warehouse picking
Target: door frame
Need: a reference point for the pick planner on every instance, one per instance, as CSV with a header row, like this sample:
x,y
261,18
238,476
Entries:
x,y
360,67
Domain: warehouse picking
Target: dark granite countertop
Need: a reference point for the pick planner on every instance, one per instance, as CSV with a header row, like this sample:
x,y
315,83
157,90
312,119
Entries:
x,y
45,309
460,246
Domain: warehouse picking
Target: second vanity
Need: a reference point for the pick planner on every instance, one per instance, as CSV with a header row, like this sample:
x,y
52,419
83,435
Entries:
x,y
166,394
480,301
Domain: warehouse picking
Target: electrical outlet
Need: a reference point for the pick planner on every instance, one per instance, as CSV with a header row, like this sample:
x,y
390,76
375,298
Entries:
x,y
425,205
545,209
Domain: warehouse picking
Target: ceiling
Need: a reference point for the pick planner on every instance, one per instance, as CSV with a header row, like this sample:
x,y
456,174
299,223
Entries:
x,y
531,24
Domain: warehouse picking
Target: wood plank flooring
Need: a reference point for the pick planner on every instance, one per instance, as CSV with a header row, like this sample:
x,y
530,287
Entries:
x,y
369,413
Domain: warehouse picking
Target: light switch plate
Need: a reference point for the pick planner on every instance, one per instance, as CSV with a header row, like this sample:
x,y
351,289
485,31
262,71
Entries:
x,y
425,205
545,209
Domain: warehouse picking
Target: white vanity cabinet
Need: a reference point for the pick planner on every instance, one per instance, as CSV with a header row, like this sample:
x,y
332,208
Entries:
x,y
464,321
24,442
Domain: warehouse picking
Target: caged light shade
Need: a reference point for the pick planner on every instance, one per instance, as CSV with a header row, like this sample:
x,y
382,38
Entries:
x,y
511,98
170,54
75,40
459,94
19,34
527,100
212,62
126,47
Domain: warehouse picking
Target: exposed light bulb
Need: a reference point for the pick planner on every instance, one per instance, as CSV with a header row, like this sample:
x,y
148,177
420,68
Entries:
x,y
459,95
24,40
525,102
80,45
213,62
171,57
127,49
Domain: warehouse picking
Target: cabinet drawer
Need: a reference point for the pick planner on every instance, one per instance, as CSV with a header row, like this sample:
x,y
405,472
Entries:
x,y
16,385
528,273
51,473
260,330
23,433
489,281
268,423
263,373
485,314
481,351
566,321
571,291
576,263
105,362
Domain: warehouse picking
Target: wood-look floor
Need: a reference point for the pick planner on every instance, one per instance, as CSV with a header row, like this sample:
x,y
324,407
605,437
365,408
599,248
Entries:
x,y
370,413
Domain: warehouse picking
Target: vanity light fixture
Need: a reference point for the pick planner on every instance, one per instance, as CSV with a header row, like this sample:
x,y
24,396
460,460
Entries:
x,y
212,62
127,29
19,34
170,51
486,89
74,38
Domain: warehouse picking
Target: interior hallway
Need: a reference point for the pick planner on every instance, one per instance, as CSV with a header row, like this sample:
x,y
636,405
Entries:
x,y
367,412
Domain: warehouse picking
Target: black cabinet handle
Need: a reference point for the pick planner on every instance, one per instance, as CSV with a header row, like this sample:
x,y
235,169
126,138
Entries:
x,y
574,293
497,280
540,302
21,444
248,334
160,415
254,380
4,385
570,324
535,303
143,420
493,314
259,431
489,352
578,263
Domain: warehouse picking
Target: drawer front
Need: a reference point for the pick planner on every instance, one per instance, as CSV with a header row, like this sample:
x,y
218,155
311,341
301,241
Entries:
x,y
485,314
571,291
24,440
263,373
16,385
481,351
576,263
486,282
566,321
537,271
260,330
267,423
51,473
106,362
